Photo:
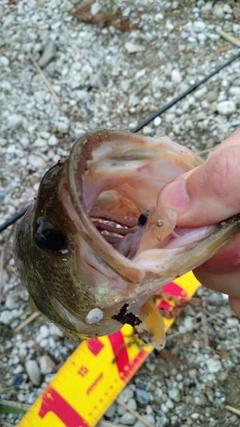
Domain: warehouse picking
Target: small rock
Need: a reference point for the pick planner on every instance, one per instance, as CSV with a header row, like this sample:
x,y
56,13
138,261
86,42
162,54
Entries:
x,y
4,61
47,365
40,142
33,371
213,365
198,26
226,107
127,419
95,8
10,302
6,317
195,416
142,396
218,11
175,395
6,86
157,121
227,8
111,410
134,48
234,91
53,140
126,394
212,95
19,379
48,55
176,76
147,130
133,100
36,161
159,17
15,120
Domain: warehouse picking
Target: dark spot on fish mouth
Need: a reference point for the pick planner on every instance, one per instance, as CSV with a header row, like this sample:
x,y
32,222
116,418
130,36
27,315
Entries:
x,y
47,237
143,218
124,317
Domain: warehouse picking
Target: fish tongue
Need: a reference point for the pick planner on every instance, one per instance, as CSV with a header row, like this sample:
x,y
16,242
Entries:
x,y
152,328
160,223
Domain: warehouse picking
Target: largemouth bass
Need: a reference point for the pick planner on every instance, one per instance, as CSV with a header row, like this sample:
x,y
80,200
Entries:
x,y
95,245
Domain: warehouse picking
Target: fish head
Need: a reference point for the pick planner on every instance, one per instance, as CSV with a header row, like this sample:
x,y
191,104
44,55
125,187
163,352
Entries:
x,y
95,245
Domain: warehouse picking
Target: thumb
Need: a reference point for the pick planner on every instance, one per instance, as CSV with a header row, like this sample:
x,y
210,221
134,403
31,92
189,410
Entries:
x,y
209,193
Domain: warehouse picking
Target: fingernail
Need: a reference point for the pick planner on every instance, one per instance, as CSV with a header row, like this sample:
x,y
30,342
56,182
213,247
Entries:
x,y
174,195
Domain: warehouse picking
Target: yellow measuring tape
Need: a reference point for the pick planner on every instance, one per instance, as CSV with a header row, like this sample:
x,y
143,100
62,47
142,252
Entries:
x,y
98,370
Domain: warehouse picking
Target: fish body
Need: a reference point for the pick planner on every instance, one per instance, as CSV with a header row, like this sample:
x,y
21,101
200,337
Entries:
x,y
95,245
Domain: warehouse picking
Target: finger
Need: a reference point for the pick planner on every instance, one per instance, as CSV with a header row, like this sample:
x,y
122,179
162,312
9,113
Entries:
x,y
224,283
209,193
234,303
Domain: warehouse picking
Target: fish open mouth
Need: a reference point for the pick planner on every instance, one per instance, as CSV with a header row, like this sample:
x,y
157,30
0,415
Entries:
x,y
115,184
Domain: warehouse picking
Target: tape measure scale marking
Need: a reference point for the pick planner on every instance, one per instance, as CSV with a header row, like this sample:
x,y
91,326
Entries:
x,y
97,371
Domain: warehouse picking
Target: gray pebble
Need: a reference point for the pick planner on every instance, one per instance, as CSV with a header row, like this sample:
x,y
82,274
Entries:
x,y
214,365
217,11
15,120
142,396
176,76
33,371
36,161
198,26
226,107
127,419
48,55
133,48
47,365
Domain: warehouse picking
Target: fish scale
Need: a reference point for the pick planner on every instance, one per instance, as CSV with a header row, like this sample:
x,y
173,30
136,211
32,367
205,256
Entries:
x,y
98,370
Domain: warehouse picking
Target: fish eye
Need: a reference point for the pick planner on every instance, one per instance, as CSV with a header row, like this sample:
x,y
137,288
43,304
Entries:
x,y
47,237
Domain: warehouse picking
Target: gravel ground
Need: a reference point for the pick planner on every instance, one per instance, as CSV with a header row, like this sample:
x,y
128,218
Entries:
x,y
107,78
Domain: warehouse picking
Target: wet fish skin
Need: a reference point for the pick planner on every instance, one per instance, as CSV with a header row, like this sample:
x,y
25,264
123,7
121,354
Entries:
x,y
75,276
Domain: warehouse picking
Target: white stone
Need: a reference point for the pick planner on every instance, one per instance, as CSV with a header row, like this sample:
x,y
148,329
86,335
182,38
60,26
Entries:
x,y
226,107
47,365
218,11
198,26
234,91
159,17
174,394
36,161
227,8
15,120
176,76
147,130
95,8
4,61
213,365
10,302
6,86
157,121
44,331
33,371
53,140
134,48
40,142
6,317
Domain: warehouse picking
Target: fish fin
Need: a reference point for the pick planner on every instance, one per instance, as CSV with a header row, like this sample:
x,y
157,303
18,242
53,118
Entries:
x,y
32,305
152,328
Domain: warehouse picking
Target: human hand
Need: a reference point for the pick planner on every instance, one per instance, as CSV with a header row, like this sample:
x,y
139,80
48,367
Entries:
x,y
207,195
